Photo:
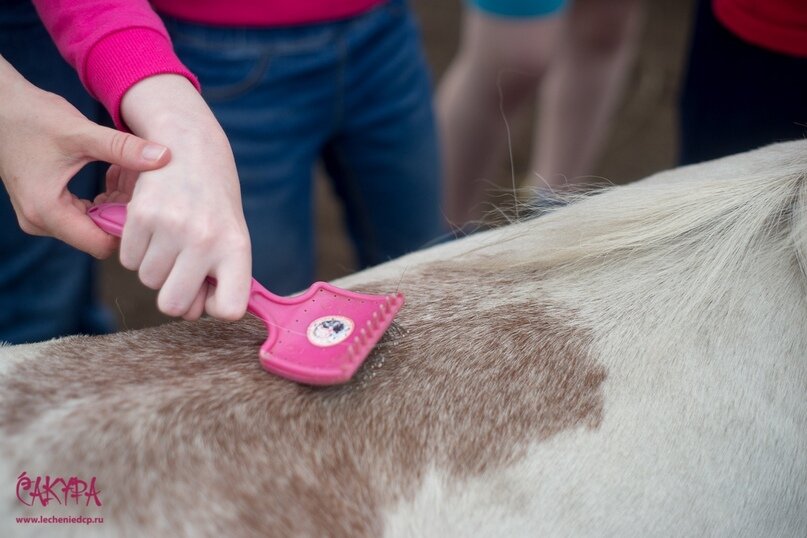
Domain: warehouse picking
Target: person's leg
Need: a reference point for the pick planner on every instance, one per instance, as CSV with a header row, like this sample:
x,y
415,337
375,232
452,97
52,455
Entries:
x,y
581,89
499,65
47,288
384,157
273,91
737,96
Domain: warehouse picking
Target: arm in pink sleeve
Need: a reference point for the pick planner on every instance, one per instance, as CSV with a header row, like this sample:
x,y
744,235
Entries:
x,y
113,44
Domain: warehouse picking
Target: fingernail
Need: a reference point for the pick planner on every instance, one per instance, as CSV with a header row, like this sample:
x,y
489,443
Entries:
x,y
153,152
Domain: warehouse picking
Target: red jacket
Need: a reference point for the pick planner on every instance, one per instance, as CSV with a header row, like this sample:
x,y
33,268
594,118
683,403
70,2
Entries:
x,y
778,25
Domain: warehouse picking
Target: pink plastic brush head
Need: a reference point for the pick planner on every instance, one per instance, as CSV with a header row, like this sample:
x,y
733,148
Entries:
x,y
322,336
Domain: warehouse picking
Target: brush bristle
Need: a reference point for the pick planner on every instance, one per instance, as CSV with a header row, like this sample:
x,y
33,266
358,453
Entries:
x,y
374,329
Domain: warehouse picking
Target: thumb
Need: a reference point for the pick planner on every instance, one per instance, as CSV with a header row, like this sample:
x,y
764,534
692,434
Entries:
x,y
68,221
124,149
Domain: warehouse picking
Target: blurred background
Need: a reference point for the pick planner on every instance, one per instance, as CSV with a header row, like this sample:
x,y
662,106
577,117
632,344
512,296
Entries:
x,y
642,138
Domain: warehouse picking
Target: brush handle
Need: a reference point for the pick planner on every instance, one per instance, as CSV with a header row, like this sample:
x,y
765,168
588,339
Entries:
x,y
111,218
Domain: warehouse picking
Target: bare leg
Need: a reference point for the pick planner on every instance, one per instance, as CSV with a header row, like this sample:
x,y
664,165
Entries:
x,y
582,88
498,67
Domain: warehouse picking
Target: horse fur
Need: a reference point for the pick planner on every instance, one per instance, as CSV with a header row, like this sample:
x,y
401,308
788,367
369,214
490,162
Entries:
x,y
632,364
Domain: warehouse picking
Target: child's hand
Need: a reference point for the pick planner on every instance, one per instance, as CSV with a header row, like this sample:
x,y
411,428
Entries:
x,y
120,184
185,221
44,142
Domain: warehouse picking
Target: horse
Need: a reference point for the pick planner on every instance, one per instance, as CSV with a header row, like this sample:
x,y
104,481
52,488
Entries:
x,y
634,363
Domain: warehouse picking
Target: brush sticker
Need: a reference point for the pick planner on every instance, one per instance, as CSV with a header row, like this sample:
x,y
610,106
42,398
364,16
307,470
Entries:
x,y
329,331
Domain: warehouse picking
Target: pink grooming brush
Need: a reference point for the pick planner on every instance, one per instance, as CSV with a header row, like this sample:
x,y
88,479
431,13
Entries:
x,y
319,337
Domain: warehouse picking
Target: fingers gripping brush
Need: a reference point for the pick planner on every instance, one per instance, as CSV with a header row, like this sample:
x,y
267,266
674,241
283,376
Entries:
x,y
319,337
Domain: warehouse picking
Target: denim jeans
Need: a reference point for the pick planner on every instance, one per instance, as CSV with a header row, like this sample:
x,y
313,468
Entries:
x,y
353,94
46,286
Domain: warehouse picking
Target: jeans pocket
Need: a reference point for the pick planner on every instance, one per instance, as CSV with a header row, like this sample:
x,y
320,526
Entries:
x,y
227,69
240,78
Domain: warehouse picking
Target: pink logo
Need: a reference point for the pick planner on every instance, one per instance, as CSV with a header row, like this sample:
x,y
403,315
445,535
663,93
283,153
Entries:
x,y
62,490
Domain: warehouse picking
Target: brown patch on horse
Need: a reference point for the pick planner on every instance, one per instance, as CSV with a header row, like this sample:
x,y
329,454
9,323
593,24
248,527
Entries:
x,y
182,421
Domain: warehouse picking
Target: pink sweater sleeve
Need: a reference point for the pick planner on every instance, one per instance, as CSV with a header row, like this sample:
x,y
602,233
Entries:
x,y
112,44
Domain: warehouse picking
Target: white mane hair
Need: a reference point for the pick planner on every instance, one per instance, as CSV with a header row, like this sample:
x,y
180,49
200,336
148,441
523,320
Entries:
x,y
693,242
632,364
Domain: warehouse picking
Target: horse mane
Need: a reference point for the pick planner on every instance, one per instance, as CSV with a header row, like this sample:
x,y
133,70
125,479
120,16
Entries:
x,y
700,225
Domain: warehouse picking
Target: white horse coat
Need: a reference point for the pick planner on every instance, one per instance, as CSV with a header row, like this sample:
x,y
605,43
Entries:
x,y
634,364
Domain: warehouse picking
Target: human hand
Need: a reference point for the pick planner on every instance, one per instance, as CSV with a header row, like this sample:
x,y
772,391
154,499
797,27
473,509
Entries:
x,y
185,221
120,184
44,142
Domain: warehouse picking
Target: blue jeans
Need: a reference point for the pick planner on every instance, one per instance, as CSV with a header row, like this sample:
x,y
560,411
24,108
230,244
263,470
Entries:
x,y
354,94
46,286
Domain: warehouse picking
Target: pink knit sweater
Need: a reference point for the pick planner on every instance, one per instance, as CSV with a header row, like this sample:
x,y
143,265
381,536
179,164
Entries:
x,y
115,43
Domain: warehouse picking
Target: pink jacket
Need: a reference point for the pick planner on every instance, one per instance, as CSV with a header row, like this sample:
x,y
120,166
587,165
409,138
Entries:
x,y
115,43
